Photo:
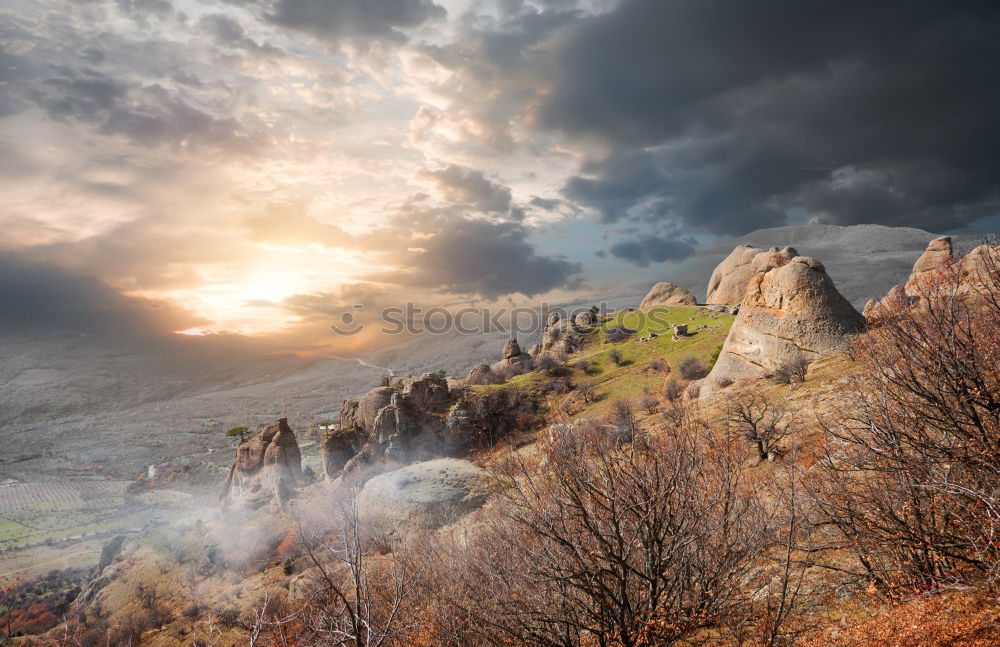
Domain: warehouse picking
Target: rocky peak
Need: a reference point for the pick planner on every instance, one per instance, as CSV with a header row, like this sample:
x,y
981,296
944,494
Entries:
x,y
398,423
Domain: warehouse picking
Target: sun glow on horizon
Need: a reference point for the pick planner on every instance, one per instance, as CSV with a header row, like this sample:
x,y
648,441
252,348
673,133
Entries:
x,y
249,299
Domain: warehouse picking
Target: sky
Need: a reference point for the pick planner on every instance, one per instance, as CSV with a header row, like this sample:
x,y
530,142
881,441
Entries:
x,y
260,166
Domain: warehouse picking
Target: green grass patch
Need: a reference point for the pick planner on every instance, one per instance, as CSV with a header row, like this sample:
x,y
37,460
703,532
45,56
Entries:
x,y
635,374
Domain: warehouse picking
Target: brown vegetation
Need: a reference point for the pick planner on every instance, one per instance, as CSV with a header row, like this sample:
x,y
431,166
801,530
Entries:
x,y
912,478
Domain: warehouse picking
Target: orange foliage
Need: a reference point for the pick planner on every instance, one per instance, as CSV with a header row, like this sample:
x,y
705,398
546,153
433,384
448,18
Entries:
x,y
929,621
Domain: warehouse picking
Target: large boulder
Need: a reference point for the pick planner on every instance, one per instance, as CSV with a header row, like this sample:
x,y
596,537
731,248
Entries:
x,y
585,320
428,494
667,294
360,414
267,468
790,310
480,374
730,278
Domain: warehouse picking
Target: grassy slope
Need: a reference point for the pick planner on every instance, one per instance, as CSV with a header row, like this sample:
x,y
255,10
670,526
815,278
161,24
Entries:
x,y
635,375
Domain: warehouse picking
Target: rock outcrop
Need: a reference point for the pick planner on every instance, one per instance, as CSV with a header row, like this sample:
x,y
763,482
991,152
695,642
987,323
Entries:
x,y
511,349
480,374
337,447
939,254
427,494
267,468
398,423
937,273
667,294
565,335
729,280
791,309
585,320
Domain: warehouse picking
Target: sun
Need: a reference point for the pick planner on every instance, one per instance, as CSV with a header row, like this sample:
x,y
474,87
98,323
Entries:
x,y
268,287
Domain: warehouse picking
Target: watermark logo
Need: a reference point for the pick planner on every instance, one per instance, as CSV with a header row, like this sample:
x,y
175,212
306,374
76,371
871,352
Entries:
x,y
411,319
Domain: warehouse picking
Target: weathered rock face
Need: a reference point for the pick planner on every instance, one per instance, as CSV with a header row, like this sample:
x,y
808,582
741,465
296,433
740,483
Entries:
x,y
428,494
511,349
667,294
729,280
937,273
267,468
398,423
789,311
938,254
338,447
368,407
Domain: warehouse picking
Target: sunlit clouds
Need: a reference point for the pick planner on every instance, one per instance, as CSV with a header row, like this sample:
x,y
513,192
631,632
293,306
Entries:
x,y
260,165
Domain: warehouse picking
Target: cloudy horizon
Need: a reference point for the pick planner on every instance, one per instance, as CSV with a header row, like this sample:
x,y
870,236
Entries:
x,y
255,166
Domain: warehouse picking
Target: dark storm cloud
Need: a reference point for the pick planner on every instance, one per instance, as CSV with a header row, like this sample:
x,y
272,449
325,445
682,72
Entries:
x,y
357,20
471,188
36,296
722,114
655,249
466,256
148,115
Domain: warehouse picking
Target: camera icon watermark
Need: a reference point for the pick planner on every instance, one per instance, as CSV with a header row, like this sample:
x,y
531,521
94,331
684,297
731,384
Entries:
x,y
348,324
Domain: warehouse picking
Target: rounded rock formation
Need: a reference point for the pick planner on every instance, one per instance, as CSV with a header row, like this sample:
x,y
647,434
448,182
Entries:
x,y
585,320
267,467
938,254
790,311
729,279
667,294
428,494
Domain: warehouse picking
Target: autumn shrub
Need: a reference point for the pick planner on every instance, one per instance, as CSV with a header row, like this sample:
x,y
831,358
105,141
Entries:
x,y
619,545
648,403
616,356
692,368
911,479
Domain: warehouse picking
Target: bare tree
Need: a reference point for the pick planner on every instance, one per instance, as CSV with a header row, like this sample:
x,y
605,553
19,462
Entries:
x,y
8,588
623,421
648,403
752,416
616,545
358,598
792,370
912,477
